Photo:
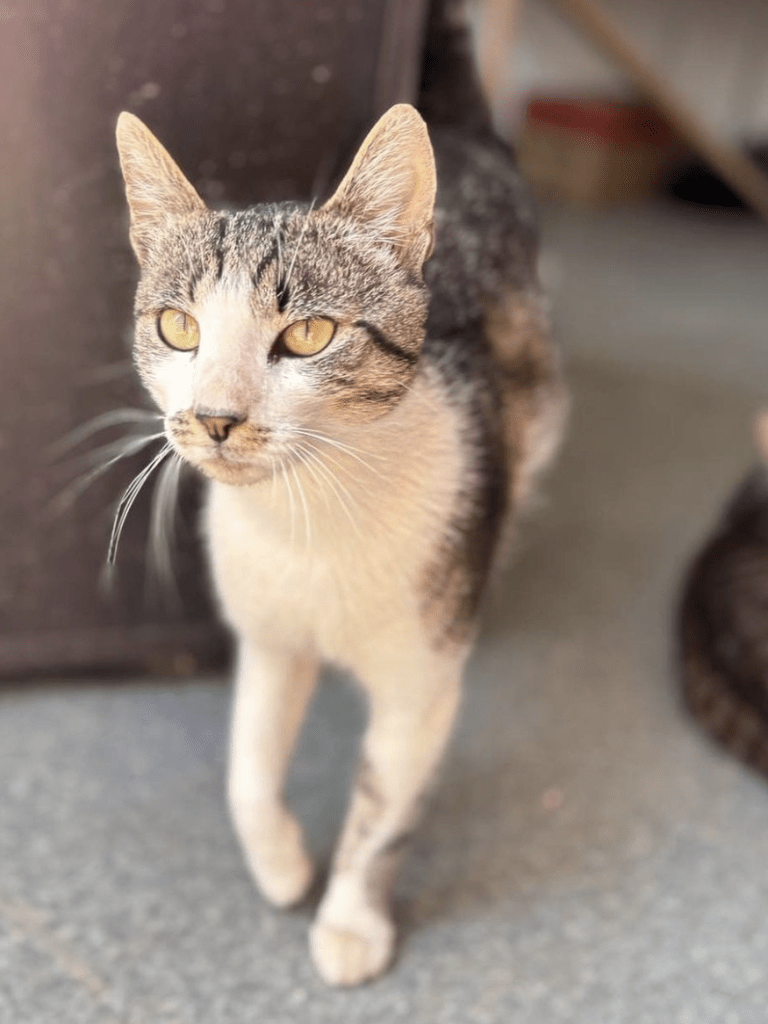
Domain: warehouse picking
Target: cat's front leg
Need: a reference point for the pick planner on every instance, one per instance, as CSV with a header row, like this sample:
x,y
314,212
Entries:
x,y
272,690
414,696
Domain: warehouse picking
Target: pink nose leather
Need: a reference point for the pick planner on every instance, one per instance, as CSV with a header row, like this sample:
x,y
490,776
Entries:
x,y
219,425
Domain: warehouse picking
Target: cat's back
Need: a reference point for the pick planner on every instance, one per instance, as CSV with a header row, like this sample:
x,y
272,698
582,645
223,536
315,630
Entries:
x,y
486,233
723,627
485,223
487,327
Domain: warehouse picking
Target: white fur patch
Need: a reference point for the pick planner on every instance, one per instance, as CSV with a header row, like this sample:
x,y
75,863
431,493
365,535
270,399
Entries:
x,y
329,553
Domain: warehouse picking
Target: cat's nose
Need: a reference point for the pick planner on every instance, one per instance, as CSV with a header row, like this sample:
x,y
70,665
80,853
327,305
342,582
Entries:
x,y
218,424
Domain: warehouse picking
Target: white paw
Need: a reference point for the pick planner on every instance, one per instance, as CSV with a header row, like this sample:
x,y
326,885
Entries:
x,y
279,862
285,879
353,953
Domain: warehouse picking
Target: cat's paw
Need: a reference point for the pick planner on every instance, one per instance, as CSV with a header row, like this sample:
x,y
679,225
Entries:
x,y
354,952
285,879
278,861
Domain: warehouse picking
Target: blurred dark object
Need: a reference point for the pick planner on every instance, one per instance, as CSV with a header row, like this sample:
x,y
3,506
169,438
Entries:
x,y
723,627
594,152
697,183
256,100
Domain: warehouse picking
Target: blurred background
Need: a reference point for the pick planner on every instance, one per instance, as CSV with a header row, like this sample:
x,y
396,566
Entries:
x,y
639,125
589,856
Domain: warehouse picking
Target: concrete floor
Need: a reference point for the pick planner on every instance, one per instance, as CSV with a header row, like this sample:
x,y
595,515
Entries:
x,y
589,857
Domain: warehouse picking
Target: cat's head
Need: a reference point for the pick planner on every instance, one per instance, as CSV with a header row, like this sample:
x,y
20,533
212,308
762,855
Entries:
x,y
255,327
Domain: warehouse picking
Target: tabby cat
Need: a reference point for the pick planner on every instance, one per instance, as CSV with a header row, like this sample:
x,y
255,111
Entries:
x,y
370,387
723,622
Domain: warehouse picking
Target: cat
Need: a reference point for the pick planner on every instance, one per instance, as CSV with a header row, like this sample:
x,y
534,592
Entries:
x,y
723,622
370,388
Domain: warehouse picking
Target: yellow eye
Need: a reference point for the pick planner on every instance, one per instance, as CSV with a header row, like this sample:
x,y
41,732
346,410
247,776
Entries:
x,y
307,337
179,330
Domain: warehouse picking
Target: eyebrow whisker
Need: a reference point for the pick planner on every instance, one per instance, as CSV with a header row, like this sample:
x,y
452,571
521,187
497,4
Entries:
x,y
284,288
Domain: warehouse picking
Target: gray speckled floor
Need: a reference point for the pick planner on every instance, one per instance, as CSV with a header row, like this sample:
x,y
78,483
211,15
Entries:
x,y
589,857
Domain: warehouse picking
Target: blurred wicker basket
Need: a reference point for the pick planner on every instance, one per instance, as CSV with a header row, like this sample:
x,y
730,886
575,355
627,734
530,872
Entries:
x,y
594,152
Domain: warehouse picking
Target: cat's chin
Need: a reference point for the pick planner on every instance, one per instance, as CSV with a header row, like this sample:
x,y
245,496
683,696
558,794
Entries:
x,y
236,474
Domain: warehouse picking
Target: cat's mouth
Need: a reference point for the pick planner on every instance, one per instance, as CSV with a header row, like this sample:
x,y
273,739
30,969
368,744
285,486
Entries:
x,y
235,463
232,467
228,465
255,454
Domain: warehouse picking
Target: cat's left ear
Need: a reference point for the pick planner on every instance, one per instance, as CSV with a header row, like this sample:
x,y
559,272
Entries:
x,y
158,193
391,184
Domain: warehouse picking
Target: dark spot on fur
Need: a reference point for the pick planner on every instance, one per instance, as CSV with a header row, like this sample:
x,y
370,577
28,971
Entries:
x,y
262,266
221,228
283,297
455,580
378,397
367,785
396,844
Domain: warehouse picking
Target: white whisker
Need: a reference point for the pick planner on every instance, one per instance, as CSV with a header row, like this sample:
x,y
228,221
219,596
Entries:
x,y
101,422
328,458
129,496
298,246
355,453
188,252
273,466
162,524
324,458
336,486
307,529
300,451
341,465
278,222
109,372
290,499
124,446
122,449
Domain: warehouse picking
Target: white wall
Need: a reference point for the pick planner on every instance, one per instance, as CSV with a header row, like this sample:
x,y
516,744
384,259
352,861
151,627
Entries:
x,y
715,52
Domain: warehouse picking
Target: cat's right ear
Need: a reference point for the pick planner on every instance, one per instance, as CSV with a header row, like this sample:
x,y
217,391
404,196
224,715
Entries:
x,y
158,193
391,185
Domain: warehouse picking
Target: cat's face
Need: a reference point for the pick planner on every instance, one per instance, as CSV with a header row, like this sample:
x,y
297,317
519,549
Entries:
x,y
256,329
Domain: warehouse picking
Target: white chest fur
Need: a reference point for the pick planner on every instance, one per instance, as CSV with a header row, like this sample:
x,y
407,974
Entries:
x,y
332,549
